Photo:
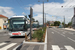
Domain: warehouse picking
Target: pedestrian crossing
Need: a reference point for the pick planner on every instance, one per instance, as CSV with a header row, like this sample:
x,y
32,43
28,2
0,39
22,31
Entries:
x,y
66,47
6,46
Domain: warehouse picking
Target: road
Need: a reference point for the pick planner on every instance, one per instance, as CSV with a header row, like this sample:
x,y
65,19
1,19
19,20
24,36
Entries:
x,y
57,39
9,43
60,39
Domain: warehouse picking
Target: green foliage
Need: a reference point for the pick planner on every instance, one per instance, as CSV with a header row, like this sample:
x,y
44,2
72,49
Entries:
x,y
70,23
56,23
36,20
39,34
33,19
52,24
63,23
67,25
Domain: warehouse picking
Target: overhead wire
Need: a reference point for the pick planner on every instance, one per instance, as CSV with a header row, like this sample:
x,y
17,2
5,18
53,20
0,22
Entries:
x,y
68,3
21,6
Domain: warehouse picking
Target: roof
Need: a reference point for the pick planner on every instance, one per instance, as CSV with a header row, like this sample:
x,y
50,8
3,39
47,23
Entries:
x,y
17,16
3,16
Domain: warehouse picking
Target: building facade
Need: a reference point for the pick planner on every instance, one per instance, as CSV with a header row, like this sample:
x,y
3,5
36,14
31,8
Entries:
x,y
73,19
2,20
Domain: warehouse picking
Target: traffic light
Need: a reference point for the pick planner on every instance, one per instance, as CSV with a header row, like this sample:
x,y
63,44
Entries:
x,y
31,13
29,16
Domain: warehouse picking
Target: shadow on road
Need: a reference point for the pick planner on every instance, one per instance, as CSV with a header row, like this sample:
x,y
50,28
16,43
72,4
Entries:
x,y
17,37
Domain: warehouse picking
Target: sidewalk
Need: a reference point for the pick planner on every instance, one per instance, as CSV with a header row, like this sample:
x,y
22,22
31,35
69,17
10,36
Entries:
x,y
69,29
34,45
3,30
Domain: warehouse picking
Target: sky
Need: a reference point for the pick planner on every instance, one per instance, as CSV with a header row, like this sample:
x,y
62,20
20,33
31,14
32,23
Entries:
x,y
53,9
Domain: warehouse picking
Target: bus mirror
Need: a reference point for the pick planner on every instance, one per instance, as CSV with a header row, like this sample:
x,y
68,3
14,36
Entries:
x,y
26,22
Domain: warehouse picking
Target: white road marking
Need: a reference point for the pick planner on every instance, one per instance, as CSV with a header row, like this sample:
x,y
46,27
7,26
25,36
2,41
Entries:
x,y
8,46
69,48
55,31
63,32
71,39
63,35
52,32
70,33
55,47
2,43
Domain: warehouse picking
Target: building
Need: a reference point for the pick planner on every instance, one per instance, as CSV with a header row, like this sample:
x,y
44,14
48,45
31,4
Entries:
x,y
52,22
2,20
73,19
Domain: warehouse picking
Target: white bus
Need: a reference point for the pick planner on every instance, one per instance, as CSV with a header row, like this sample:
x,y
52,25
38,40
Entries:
x,y
18,26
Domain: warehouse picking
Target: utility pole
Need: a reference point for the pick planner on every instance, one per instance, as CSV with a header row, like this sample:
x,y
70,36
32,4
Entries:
x,y
64,21
45,20
30,16
43,14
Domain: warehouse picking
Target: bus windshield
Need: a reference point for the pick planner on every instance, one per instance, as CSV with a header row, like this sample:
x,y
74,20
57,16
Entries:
x,y
17,25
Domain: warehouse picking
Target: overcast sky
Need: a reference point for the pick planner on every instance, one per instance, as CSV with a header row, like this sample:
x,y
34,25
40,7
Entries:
x,y
53,9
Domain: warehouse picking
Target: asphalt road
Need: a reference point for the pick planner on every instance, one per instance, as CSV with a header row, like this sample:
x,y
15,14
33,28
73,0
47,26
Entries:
x,y
60,39
9,43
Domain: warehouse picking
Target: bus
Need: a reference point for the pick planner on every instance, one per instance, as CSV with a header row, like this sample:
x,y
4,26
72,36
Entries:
x,y
18,26
35,26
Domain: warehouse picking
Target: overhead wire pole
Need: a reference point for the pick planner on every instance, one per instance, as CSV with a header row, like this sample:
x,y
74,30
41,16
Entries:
x,y
45,20
43,14
64,21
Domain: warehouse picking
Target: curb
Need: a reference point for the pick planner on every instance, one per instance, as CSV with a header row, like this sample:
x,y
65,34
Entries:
x,y
18,47
45,46
68,29
43,43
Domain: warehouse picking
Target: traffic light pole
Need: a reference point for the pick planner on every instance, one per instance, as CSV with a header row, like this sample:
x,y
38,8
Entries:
x,y
30,16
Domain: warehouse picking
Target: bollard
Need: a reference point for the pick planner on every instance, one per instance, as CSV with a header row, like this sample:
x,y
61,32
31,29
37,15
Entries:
x,y
26,38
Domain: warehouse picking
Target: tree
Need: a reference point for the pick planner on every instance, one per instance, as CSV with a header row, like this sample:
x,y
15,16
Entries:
x,y
70,23
36,20
33,19
56,23
52,24
62,23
